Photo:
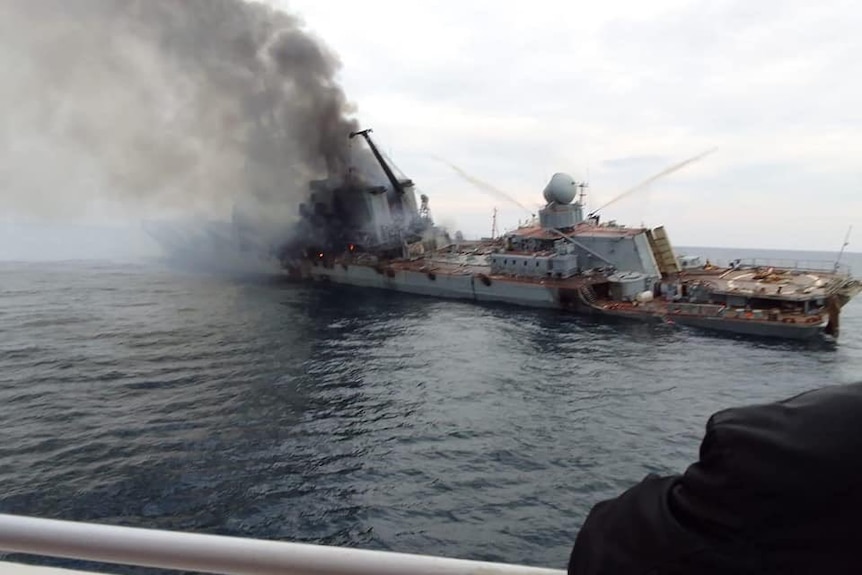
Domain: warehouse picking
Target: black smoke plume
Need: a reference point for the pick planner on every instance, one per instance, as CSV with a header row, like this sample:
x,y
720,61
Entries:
x,y
165,106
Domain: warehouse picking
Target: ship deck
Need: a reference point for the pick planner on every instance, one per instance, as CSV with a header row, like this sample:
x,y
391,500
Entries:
x,y
780,285
717,316
582,230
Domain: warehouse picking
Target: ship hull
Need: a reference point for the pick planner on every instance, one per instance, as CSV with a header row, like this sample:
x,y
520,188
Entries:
x,y
564,295
800,332
464,286
755,328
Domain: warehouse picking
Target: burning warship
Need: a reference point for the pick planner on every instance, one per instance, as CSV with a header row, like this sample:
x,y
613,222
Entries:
x,y
377,236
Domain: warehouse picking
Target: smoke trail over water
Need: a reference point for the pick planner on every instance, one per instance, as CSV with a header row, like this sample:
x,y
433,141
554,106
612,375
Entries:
x,y
164,106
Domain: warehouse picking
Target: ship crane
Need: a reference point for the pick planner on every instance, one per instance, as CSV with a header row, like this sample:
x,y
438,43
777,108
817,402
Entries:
x,y
397,185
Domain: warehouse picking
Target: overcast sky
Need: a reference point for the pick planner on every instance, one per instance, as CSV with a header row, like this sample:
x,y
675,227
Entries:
x,y
616,91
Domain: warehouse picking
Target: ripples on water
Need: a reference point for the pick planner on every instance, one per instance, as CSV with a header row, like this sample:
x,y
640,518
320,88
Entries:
x,y
135,395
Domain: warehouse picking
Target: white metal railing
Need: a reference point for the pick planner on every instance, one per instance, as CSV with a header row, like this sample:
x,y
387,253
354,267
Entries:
x,y
225,555
801,265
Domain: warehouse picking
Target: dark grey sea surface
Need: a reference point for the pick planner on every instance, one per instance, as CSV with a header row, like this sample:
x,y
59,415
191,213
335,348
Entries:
x,y
136,394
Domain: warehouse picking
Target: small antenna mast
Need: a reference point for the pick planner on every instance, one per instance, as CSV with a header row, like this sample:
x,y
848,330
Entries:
x,y
582,196
585,184
841,251
494,224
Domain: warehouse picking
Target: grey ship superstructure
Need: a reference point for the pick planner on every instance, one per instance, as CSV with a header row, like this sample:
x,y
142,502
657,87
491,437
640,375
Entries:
x,y
353,214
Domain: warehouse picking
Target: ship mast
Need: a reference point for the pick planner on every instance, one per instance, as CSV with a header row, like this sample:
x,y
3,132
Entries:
x,y
582,195
494,224
841,251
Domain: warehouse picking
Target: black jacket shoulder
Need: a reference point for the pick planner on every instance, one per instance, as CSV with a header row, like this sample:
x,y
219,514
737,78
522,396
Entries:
x,y
777,488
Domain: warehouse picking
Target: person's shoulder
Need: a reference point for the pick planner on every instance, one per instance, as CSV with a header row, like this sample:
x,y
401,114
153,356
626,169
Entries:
x,y
804,416
781,451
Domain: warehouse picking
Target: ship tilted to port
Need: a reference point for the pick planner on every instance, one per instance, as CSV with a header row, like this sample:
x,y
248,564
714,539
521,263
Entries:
x,y
378,236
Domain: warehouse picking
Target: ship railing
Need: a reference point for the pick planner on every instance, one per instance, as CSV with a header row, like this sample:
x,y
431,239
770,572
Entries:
x,y
174,550
800,265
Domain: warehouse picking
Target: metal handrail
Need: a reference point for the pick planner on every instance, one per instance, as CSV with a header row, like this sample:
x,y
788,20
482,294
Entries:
x,y
801,265
225,555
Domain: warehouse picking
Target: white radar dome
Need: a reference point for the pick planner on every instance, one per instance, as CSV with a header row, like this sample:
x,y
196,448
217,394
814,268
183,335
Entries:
x,y
561,189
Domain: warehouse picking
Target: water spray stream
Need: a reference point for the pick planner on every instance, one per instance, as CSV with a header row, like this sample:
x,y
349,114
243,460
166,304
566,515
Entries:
x,y
485,186
658,176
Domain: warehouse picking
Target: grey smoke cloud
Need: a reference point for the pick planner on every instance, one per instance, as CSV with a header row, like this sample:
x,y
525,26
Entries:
x,y
164,106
